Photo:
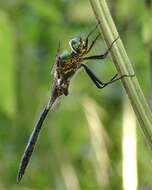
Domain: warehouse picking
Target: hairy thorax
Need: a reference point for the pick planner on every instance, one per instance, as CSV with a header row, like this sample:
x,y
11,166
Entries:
x,y
70,63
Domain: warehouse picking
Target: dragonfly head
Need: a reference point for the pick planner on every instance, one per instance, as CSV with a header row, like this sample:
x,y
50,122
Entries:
x,y
77,45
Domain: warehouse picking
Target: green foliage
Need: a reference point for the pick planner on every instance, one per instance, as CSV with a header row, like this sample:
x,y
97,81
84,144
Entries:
x,y
7,60
29,35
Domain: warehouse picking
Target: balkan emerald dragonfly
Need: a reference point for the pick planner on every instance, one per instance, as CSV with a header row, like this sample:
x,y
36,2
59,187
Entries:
x,y
65,67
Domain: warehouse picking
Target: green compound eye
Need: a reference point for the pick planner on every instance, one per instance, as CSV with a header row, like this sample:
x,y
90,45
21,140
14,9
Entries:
x,y
75,44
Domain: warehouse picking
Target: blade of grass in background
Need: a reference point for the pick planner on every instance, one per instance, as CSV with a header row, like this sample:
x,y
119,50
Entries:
x,y
124,66
98,138
7,64
63,162
129,148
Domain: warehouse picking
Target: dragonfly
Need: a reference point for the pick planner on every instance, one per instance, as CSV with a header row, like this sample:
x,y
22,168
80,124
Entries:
x,y
65,67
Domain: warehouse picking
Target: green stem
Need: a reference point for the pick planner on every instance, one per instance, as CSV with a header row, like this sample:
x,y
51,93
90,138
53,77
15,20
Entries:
x,y
124,66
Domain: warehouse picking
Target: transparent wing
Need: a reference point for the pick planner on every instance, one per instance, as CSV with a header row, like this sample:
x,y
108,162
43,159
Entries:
x,y
54,66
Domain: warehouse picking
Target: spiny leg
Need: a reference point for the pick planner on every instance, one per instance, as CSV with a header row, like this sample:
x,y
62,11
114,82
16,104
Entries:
x,y
88,49
102,56
94,78
114,79
94,29
87,38
98,82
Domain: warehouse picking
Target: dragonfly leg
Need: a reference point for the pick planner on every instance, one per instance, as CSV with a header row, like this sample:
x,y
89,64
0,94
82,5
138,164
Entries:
x,y
87,38
88,49
98,82
101,56
114,79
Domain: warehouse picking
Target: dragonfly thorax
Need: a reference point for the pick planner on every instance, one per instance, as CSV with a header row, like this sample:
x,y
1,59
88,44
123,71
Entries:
x,y
65,56
66,66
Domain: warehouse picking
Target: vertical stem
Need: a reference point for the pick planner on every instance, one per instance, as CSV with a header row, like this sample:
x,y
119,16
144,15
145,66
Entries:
x,y
124,66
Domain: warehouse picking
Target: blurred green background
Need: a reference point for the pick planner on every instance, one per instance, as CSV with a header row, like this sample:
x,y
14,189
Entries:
x,y
80,146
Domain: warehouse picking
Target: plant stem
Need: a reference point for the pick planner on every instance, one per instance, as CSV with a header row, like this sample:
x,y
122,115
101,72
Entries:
x,y
124,66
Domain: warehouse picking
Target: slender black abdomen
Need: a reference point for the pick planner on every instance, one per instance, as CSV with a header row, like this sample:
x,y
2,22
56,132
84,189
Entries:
x,y
35,133
31,144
